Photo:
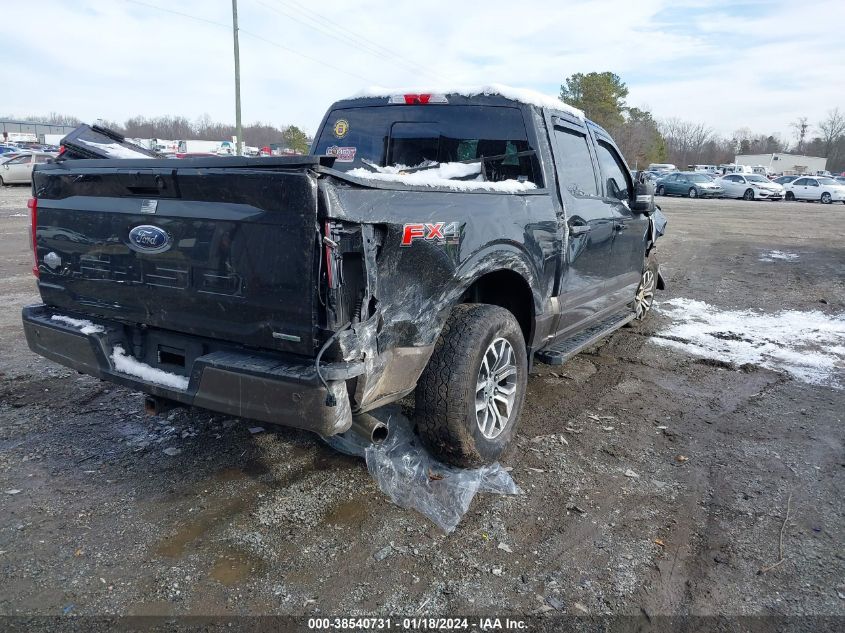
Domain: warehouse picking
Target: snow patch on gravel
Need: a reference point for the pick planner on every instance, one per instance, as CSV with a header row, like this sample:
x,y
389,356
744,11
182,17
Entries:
x,y
85,326
808,345
770,256
126,364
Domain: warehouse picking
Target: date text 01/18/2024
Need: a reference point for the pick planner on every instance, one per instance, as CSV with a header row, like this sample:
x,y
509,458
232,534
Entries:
x,y
415,624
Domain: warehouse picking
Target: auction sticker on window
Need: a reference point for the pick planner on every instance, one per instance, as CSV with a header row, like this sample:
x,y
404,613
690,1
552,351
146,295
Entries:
x,y
342,154
341,128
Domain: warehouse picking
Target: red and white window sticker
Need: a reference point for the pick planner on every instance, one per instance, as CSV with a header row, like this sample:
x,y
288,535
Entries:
x,y
342,154
437,232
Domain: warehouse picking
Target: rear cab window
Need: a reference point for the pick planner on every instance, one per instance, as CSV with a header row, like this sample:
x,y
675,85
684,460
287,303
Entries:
x,y
418,135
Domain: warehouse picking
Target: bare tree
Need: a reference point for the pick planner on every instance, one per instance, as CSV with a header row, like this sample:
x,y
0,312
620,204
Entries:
x,y
831,129
800,125
685,140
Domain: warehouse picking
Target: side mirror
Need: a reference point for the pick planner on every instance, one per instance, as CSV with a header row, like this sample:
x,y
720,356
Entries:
x,y
643,199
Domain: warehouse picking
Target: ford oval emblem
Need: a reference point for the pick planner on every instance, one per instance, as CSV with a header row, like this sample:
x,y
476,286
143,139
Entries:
x,y
149,239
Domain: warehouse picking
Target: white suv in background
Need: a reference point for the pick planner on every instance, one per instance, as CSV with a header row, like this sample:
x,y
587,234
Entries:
x,y
750,187
821,188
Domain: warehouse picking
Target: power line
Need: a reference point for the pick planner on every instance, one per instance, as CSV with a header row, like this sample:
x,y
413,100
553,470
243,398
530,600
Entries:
x,y
251,34
336,31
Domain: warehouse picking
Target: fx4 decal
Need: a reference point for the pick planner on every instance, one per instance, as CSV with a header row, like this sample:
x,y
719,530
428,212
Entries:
x,y
437,232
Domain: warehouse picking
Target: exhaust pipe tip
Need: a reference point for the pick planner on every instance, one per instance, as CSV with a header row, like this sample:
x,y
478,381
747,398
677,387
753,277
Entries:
x,y
373,430
154,405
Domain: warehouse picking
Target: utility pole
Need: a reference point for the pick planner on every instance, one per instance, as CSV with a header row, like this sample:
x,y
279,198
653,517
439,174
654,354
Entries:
x,y
239,133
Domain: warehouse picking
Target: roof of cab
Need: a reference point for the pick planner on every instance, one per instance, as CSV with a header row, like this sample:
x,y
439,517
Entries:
x,y
521,95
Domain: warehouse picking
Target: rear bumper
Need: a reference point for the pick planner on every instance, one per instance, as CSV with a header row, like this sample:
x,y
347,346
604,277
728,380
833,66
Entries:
x,y
255,385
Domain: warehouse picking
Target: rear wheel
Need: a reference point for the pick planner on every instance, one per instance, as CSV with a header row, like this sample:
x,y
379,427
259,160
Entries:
x,y
661,190
2,182
826,199
748,195
790,197
469,396
693,192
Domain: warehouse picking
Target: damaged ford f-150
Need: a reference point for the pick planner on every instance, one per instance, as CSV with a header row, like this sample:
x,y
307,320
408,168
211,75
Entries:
x,y
433,244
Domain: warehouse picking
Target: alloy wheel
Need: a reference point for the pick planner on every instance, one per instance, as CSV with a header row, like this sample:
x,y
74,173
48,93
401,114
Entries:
x,y
495,389
826,199
645,293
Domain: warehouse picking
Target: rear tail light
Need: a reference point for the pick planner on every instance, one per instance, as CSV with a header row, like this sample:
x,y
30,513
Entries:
x,y
32,205
418,99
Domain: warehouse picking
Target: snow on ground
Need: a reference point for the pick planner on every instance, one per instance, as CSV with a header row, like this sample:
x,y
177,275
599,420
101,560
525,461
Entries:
x,y
808,345
523,95
85,326
770,256
440,176
126,364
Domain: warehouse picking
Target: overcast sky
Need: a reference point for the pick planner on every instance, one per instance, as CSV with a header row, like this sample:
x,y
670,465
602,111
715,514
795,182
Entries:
x,y
757,64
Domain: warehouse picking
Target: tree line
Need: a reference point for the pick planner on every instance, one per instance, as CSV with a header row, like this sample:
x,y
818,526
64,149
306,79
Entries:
x,y
203,128
644,139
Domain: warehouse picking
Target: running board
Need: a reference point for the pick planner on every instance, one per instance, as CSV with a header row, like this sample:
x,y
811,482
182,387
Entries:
x,y
561,351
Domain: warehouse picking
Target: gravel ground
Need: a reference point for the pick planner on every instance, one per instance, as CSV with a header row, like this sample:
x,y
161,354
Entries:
x,y
656,481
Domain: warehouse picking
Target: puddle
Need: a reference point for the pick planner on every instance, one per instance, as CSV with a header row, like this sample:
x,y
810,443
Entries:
x,y
348,513
235,566
174,546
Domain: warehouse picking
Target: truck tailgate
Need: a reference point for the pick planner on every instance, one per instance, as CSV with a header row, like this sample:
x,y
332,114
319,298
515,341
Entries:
x,y
224,253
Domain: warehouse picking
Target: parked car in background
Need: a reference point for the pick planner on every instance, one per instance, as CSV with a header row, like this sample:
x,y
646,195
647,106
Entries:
x,y
751,187
662,167
733,168
840,179
8,149
783,180
4,158
689,183
18,170
821,188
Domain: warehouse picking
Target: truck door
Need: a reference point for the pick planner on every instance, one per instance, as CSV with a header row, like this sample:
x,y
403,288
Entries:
x,y
630,230
590,226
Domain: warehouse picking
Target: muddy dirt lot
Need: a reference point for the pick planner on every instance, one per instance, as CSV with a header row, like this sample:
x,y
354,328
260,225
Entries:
x,y
657,468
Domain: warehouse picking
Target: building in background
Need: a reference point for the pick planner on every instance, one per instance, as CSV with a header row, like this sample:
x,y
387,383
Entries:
x,y
787,164
29,131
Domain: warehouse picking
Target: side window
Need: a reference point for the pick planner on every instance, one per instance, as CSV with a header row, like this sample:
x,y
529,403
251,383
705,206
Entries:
x,y
574,164
800,182
20,160
613,171
812,183
41,158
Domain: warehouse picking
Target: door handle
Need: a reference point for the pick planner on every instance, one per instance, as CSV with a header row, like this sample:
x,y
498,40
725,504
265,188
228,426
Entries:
x,y
619,226
579,229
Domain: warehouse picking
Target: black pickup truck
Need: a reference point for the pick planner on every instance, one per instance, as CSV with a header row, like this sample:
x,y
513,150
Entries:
x,y
433,244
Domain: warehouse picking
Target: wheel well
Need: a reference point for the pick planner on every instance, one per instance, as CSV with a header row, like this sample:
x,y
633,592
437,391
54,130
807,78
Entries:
x,y
508,290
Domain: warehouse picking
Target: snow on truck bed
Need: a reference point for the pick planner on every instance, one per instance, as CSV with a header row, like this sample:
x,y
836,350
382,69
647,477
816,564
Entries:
x,y
523,95
441,176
